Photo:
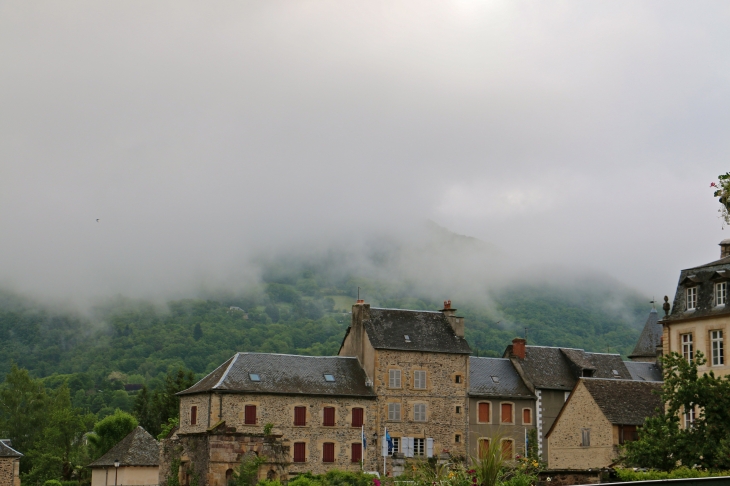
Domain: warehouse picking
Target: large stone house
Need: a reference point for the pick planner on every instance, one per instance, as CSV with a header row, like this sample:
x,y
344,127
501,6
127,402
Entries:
x,y
600,414
9,464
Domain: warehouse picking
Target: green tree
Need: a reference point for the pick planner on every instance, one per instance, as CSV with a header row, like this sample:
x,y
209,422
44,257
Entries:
x,y
109,431
197,332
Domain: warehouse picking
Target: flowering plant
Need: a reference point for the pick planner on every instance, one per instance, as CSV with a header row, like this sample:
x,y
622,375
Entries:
x,y
722,192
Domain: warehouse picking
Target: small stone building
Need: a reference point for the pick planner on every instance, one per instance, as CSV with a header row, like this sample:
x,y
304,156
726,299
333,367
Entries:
x,y
9,464
500,405
600,414
138,459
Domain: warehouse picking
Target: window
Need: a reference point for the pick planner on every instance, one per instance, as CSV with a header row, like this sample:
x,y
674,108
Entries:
x,y
254,377
358,417
329,417
419,412
457,379
328,452
526,416
627,433
585,437
394,378
193,415
419,447
419,379
396,444
495,379
300,416
483,447
720,293
329,377
249,415
458,409
394,411
689,418
691,298
506,415
483,412
457,438
718,351
407,338
507,449
687,346
300,452
357,452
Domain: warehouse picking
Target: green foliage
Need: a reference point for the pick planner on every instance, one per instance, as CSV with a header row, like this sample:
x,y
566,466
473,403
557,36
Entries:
x,y
663,444
155,410
722,192
172,478
268,428
52,482
269,482
679,473
167,428
246,474
490,463
333,477
532,449
109,431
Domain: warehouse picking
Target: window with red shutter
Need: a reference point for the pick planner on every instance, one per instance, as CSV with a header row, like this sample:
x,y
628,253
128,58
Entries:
x,y
300,415
329,416
193,415
356,452
299,451
507,413
357,417
526,416
328,452
483,412
249,415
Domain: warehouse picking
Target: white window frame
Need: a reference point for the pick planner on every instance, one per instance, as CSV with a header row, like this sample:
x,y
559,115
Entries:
x,y
419,446
717,347
419,412
721,293
394,410
691,298
688,349
396,444
394,379
419,379
689,418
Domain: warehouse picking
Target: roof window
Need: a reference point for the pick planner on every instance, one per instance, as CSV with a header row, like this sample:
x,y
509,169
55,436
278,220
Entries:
x,y
615,372
329,377
254,377
495,379
408,338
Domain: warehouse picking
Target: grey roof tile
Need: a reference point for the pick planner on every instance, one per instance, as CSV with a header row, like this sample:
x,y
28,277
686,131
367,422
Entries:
x,y
625,402
138,448
286,374
6,450
509,385
428,331
644,371
650,337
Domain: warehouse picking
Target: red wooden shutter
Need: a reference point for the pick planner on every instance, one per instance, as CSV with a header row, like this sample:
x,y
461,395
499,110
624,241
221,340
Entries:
x,y
328,452
483,447
299,452
356,452
250,415
507,450
357,417
329,416
193,415
484,412
300,415
506,413
527,416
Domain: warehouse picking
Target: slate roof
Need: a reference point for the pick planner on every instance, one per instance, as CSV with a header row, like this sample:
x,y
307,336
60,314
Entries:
x,y
286,374
644,371
650,337
703,277
138,448
428,331
560,368
625,402
6,450
508,385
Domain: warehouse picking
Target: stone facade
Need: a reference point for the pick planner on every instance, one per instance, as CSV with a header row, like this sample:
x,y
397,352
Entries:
x,y
700,330
514,430
9,471
565,440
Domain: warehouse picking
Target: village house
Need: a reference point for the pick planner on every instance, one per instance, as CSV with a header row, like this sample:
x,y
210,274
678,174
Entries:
x,y
600,414
9,464
133,461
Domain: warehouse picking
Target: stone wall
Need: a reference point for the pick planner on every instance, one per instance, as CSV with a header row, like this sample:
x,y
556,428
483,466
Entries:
x,y
564,441
441,397
9,467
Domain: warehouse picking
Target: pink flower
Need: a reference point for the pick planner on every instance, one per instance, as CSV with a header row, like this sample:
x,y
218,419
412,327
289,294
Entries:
x,y
376,481
713,185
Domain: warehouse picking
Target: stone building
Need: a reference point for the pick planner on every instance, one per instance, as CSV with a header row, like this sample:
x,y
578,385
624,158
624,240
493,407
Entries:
x,y
9,464
500,405
600,414
700,316
649,345
133,461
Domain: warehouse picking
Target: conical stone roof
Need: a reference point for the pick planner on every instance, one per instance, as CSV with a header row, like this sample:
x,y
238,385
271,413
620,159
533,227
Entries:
x,y
650,338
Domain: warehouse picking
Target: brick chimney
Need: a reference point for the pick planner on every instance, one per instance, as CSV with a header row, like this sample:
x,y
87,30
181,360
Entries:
x,y
457,323
518,347
725,248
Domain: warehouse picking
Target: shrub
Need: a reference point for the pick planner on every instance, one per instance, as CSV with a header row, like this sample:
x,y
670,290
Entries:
x,y
52,482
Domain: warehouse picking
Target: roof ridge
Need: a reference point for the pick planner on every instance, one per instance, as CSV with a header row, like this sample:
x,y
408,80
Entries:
x,y
296,355
225,373
406,310
596,378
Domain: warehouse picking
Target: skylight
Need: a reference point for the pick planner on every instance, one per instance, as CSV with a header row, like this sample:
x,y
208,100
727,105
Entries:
x,y
615,372
329,377
254,377
495,379
408,338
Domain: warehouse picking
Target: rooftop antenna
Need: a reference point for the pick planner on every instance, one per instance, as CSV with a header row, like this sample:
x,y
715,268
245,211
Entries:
x,y
653,303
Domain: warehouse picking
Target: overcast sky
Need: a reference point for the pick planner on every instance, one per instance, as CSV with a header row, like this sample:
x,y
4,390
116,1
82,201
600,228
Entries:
x,y
578,133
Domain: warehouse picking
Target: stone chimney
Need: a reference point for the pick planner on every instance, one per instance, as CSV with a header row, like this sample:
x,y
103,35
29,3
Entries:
x,y
457,323
725,248
518,347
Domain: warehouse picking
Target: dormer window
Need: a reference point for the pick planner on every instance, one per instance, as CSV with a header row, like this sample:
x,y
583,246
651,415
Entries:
x,y
587,373
495,379
407,337
720,293
691,298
